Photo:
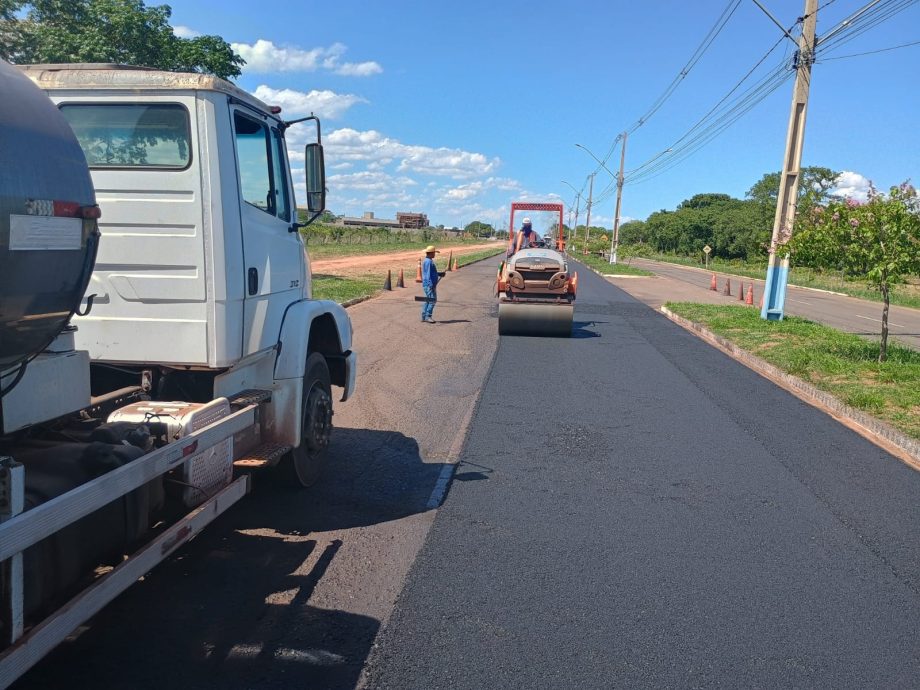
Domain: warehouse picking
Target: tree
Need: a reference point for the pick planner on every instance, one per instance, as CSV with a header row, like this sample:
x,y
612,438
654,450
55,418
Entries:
x,y
478,228
879,239
815,185
119,31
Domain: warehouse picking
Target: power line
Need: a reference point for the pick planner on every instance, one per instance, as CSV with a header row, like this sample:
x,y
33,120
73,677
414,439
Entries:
x,y
864,19
741,106
870,52
691,63
726,112
705,130
695,57
707,127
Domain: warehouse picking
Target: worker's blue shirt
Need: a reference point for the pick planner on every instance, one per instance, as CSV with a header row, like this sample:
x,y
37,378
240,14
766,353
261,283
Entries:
x,y
429,272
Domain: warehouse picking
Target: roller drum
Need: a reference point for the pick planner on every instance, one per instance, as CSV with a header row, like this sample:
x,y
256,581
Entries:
x,y
531,318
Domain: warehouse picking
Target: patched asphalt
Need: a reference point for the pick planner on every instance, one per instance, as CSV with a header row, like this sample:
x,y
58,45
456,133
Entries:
x,y
635,509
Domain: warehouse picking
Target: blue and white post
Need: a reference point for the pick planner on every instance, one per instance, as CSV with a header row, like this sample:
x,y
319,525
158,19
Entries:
x,y
774,292
774,296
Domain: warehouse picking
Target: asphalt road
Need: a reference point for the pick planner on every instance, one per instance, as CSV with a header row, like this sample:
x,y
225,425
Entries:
x,y
839,311
290,588
635,509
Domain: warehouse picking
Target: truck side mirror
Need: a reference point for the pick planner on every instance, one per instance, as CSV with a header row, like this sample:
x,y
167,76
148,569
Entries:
x,y
315,170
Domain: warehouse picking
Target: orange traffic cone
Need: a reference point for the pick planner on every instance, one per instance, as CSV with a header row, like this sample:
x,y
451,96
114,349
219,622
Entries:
x,y
741,292
400,281
455,267
750,295
418,272
713,284
728,287
388,283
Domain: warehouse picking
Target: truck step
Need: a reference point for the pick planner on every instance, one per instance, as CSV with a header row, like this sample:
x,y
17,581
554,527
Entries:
x,y
266,455
251,396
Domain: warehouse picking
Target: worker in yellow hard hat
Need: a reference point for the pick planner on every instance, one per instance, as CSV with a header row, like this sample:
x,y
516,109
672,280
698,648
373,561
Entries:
x,y
430,278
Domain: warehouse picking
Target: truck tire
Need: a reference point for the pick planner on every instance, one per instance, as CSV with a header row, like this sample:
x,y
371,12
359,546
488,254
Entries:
x,y
303,464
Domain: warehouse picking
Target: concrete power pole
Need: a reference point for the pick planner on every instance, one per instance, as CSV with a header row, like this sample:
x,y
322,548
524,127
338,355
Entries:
x,y
575,227
615,242
778,274
588,221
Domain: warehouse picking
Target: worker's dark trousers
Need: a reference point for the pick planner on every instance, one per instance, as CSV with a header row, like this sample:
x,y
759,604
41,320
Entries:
x,y
431,292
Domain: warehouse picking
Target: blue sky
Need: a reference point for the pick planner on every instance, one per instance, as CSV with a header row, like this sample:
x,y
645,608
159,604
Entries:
x,y
458,109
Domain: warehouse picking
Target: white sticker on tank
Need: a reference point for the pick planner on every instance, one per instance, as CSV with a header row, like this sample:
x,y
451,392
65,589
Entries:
x,y
45,233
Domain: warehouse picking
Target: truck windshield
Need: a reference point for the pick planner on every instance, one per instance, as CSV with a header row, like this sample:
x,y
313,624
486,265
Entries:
x,y
131,135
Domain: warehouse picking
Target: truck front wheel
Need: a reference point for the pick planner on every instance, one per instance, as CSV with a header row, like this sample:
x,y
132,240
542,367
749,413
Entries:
x,y
304,463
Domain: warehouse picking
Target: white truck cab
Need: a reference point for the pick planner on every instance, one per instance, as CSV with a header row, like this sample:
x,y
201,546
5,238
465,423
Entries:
x,y
158,338
201,266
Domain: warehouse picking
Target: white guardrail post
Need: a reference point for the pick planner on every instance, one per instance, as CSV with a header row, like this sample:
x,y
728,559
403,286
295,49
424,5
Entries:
x,y
12,502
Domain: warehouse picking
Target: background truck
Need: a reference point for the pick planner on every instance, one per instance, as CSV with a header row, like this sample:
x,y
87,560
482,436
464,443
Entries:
x,y
158,339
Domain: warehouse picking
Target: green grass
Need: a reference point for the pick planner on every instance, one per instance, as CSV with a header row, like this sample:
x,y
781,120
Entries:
x,y
907,295
482,254
842,364
329,251
342,289
603,265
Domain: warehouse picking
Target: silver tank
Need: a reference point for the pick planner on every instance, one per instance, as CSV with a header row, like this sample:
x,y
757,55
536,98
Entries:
x,y
47,249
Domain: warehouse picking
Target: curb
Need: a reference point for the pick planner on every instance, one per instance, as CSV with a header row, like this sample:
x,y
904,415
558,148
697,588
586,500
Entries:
x,y
881,434
356,300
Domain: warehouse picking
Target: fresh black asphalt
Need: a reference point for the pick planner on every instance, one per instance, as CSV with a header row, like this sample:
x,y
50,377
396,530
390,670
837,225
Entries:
x,y
635,509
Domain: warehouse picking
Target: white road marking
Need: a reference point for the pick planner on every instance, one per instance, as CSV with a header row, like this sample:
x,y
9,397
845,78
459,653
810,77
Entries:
x,y
317,657
440,487
800,301
869,318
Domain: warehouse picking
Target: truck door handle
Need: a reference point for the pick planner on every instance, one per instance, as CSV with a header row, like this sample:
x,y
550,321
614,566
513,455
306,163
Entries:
x,y
253,281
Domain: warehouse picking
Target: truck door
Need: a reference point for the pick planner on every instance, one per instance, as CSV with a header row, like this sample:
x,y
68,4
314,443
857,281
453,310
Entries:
x,y
272,249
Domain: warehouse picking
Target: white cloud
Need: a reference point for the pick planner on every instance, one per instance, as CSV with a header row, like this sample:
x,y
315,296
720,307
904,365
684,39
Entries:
x,y
264,56
348,144
479,187
369,181
326,104
358,69
851,185
185,32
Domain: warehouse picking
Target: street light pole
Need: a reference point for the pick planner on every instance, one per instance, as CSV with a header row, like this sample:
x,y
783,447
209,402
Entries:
x,y
577,203
619,179
615,242
588,221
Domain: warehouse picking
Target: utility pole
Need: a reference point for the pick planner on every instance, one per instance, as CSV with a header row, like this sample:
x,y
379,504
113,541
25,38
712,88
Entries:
x,y
615,242
574,237
575,227
778,274
588,221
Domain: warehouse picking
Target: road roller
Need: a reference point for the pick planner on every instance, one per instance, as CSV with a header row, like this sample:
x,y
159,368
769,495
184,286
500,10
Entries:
x,y
536,292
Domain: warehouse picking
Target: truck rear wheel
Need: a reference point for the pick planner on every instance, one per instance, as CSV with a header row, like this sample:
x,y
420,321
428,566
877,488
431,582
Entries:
x,y
303,464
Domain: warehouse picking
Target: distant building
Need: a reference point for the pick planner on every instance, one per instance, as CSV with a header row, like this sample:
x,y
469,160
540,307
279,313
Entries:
x,y
412,221
369,221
